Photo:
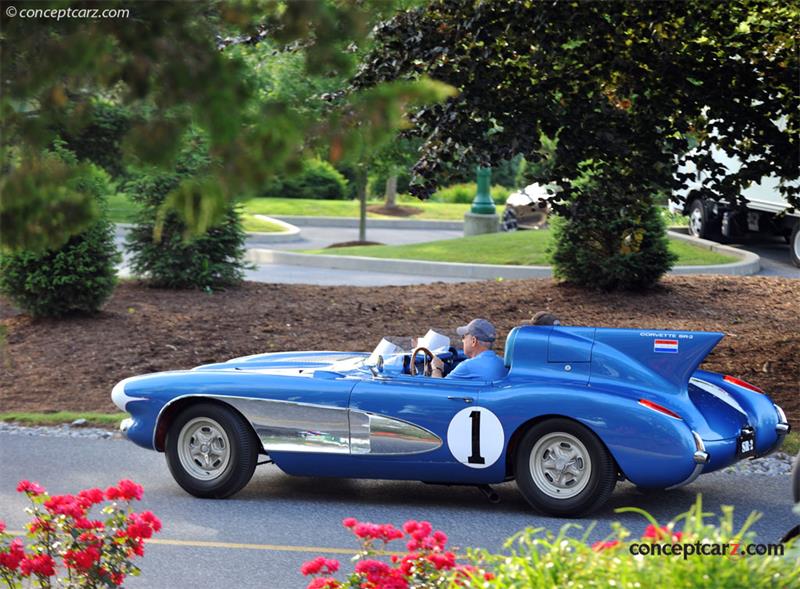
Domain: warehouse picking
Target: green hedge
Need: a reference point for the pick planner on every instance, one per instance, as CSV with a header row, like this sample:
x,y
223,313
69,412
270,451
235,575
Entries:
x,y
465,193
317,180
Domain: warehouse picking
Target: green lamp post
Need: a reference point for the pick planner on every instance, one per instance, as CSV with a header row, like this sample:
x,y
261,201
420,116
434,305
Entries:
x,y
483,203
482,216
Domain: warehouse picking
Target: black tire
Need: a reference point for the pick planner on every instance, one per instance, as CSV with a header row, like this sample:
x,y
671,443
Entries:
x,y
509,220
699,225
598,470
794,245
796,479
228,435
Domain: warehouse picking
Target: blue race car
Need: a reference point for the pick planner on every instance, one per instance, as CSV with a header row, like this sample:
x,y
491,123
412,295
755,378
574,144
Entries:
x,y
579,409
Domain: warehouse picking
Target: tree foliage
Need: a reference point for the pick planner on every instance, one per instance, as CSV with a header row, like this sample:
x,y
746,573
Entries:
x,y
624,83
174,65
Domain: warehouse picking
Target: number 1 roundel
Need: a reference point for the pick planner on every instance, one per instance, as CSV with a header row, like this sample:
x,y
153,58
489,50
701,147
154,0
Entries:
x,y
475,437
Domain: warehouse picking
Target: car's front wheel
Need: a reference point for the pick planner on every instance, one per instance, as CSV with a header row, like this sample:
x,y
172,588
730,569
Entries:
x,y
211,451
563,469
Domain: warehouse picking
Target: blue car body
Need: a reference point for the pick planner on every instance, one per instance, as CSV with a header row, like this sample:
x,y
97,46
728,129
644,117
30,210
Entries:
x,y
336,414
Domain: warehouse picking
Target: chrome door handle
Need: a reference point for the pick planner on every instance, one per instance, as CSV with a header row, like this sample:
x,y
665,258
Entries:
x,y
465,399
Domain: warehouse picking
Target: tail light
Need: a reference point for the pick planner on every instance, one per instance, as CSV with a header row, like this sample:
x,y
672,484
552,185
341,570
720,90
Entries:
x,y
659,408
743,384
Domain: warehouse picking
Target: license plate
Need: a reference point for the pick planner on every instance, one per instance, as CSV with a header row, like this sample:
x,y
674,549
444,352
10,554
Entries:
x,y
746,444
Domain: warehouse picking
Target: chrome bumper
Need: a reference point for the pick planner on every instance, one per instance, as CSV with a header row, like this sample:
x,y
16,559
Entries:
x,y
701,458
125,425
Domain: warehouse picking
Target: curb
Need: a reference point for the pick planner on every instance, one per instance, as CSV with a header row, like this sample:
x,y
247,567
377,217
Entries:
x,y
413,267
288,235
374,223
749,264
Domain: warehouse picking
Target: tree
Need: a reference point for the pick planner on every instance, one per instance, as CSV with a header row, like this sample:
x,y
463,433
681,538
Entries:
x,y
173,65
80,275
616,87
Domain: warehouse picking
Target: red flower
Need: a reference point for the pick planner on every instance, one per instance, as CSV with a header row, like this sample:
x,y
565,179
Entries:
x,y
149,518
128,490
112,493
11,559
39,524
30,488
366,530
323,583
2,526
117,578
349,522
89,497
604,545
82,559
65,505
661,533
41,565
488,576
320,564
446,560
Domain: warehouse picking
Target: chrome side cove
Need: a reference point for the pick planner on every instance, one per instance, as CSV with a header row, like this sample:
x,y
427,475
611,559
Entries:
x,y
701,457
381,435
287,426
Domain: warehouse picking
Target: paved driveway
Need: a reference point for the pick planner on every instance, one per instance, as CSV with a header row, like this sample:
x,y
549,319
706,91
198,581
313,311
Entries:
x,y
259,538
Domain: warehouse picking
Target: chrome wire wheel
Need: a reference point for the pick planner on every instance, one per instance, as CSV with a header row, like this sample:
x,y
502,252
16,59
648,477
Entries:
x,y
560,465
204,450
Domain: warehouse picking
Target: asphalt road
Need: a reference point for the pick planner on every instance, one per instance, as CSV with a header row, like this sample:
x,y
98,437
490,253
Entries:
x,y
259,538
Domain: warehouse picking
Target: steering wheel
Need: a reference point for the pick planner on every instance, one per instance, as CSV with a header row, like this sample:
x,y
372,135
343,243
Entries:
x,y
426,362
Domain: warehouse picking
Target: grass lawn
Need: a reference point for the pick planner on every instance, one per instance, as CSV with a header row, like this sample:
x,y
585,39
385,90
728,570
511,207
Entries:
x,y
94,419
121,208
522,248
300,207
253,224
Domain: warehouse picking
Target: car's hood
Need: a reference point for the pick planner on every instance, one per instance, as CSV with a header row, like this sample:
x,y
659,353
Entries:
x,y
292,363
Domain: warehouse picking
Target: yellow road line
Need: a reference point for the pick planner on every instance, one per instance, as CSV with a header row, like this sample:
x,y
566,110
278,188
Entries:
x,y
243,546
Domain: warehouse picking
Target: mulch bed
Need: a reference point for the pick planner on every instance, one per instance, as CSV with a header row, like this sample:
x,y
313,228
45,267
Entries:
x,y
395,211
72,364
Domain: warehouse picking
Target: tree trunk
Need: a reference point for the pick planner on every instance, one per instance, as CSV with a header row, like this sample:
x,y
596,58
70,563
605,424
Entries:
x,y
390,196
362,201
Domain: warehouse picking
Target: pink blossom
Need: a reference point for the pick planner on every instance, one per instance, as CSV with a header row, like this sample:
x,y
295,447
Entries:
x,y
30,488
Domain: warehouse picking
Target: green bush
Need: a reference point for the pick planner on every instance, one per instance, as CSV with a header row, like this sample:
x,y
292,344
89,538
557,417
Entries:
x,y
100,140
541,560
465,194
77,277
606,247
317,180
212,260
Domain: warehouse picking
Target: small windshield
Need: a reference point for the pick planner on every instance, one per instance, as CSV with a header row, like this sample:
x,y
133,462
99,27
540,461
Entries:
x,y
394,348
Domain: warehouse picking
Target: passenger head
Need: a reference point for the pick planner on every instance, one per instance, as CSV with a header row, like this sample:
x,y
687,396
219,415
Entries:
x,y
545,318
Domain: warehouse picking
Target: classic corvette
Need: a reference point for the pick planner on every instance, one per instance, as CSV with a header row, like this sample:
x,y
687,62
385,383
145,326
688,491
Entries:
x,y
579,409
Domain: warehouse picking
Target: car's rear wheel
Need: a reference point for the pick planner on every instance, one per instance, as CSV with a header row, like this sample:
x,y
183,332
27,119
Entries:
x,y
794,245
510,222
211,451
563,469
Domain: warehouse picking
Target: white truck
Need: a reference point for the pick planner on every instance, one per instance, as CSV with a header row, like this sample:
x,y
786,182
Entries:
x,y
765,211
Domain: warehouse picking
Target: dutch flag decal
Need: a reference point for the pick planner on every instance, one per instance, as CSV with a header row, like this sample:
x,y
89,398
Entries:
x,y
665,346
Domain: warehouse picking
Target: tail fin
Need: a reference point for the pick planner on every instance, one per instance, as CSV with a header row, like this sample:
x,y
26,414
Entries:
x,y
661,360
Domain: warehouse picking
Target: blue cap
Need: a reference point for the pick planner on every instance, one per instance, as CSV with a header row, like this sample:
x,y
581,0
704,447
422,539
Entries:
x,y
480,328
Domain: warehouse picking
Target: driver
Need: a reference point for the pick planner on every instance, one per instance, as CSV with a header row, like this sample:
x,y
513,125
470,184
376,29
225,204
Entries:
x,y
482,363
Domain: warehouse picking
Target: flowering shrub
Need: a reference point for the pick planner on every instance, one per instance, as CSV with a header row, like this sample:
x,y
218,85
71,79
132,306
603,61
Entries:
x,y
427,564
662,557
92,552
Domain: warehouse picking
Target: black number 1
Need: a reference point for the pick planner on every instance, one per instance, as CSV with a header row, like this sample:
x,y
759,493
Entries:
x,y
476,457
